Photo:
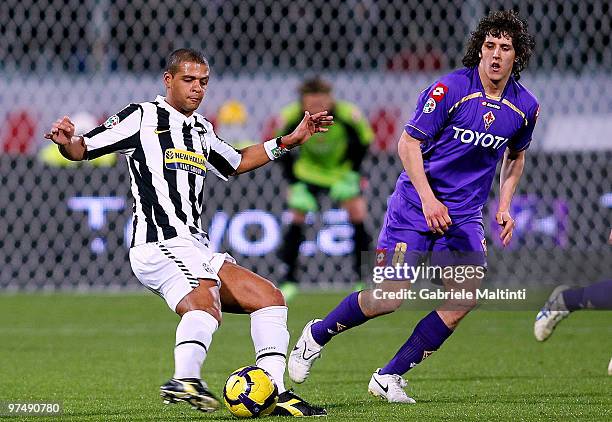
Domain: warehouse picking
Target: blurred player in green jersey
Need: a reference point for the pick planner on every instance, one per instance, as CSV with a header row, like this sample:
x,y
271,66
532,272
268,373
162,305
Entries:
x,y
330,164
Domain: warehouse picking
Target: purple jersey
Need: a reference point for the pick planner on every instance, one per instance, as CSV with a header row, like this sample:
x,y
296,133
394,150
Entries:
x,y
464,134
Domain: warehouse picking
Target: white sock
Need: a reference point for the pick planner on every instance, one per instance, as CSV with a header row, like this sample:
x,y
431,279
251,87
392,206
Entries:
x,y
271,339
193,338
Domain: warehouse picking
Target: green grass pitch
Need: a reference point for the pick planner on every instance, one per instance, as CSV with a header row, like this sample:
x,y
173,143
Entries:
x,y
104,356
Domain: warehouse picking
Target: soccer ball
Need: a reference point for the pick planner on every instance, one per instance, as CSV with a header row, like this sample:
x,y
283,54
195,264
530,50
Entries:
x,y
250,392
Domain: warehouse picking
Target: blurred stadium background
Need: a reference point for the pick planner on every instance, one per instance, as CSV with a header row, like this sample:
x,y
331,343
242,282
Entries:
x,y
65,226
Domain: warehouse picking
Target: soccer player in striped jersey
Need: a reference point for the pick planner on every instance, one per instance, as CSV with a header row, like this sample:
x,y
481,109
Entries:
x,y
170,149
463,125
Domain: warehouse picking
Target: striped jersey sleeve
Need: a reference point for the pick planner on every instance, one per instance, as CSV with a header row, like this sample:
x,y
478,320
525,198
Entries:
x,y
119,133
223,158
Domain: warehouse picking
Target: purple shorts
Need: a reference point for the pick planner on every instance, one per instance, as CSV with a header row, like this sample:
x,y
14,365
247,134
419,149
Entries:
x,y
405,232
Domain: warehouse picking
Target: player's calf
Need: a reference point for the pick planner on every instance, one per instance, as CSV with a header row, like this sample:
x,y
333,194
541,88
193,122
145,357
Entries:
x,y
205,298
243,291
384,298
454,309
427,337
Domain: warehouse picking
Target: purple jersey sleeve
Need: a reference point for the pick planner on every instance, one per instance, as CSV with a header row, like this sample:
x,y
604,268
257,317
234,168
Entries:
x,y
431,111
522,139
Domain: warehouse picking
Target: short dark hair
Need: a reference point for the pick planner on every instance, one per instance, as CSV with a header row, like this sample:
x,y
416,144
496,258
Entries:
x,y
184,55
316,85
501,23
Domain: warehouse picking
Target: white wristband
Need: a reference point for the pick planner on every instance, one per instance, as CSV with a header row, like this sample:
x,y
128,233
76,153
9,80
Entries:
x,y
275,148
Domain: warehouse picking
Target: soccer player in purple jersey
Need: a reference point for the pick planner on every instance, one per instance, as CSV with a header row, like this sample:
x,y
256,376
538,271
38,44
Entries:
x,y
464,124
564,300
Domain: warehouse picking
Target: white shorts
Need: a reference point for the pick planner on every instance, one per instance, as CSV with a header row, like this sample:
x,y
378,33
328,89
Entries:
x,y
171,268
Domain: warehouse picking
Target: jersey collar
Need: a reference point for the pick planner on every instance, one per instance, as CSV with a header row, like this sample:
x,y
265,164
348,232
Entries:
x,y
174,112
478,82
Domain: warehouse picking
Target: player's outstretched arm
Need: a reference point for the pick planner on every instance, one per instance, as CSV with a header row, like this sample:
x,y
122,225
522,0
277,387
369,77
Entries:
x,y
511,171
435,212
70,146
256,156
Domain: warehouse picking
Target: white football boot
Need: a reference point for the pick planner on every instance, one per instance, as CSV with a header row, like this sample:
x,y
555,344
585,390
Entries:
x,y
553,312
610,367
389,387
303,355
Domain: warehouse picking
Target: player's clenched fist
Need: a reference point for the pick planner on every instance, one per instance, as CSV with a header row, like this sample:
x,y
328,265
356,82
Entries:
x,y
62,131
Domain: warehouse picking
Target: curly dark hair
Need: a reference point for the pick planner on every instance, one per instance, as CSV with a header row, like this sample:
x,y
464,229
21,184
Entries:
x,y
498,23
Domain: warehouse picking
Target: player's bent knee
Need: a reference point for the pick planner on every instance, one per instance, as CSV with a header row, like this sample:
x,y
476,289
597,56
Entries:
x,y
459,308
243,291
205,298
452,318
277,298
270,296
471,304
265,298
466,305
386,306
374,304
214,310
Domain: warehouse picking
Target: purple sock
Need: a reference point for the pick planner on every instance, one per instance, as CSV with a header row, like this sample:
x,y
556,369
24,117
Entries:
x,y
595,296
346,315
427,337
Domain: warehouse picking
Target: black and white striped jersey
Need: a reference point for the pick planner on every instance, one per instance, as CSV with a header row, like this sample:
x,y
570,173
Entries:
x,y
168,156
